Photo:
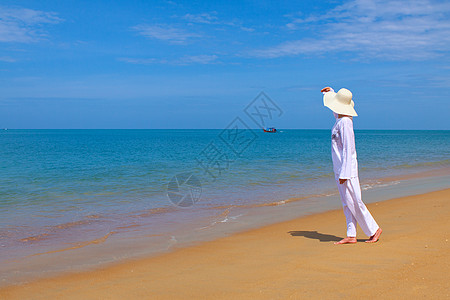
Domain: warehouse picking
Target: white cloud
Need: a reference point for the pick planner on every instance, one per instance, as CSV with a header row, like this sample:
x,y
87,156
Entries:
x,y
185,60
197,59
166,33
205,18
211,18
24,25
7,59
171,2
138,61
248,29
396,30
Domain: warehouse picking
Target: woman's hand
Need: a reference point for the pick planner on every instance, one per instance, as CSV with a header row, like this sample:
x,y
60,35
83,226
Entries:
x,y
325,89
341,181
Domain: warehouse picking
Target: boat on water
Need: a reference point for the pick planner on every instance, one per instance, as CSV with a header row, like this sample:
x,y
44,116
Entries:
x,y
270,129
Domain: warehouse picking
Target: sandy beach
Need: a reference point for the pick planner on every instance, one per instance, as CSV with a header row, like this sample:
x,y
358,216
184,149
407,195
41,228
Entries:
x,y
290,260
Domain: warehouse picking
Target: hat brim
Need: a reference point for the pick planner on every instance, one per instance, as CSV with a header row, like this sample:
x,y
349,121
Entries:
x,y
330,101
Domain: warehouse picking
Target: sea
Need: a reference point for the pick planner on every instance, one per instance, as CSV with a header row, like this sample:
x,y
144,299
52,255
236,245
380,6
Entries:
x,y
75,199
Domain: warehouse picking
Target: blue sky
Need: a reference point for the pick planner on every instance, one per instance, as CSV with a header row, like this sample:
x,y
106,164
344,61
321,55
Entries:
x,y
197,64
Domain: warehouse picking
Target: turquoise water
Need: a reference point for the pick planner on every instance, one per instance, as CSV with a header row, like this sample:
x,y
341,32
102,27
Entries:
x,y
61,188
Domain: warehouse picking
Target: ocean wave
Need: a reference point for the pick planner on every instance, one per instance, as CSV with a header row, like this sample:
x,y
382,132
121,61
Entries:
x,y
445,162
79,244
368,186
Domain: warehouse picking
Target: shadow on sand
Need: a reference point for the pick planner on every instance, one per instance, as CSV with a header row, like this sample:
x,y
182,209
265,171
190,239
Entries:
x,y
319,236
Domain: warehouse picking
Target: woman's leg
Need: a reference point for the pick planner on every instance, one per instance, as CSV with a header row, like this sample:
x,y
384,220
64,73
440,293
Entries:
x,y
358,208
351,220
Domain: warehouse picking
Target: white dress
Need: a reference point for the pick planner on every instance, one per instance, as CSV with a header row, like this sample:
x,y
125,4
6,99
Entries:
x,y
345,166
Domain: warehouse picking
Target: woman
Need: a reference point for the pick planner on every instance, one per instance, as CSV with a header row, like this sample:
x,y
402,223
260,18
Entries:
x,y
345,166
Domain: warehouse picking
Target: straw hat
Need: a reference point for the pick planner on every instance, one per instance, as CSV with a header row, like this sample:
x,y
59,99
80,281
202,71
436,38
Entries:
x,y
340,102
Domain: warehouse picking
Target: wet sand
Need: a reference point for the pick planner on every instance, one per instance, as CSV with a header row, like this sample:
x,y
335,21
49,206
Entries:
x,y
290,260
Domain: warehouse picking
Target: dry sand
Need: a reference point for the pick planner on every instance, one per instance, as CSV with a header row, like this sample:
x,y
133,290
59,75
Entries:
x,y
290,260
